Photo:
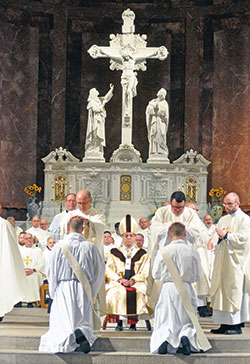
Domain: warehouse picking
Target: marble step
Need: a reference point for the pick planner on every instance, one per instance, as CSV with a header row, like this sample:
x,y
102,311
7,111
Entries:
x,y
33,357
134,343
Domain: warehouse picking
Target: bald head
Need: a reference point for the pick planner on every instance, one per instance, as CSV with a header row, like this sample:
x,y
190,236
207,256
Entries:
x,y
44,224
35,221
143,222
231,202
83,200
233,196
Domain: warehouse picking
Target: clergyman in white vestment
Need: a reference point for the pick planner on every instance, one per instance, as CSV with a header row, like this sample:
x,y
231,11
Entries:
x,y
196,235
230,285
171,322
57,225
94,227
33,262
94,220
39,234
71,311
212,242
13,281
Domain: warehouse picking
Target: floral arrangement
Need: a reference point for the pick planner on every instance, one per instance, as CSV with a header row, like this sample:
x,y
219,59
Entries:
x,y
217,193
32,190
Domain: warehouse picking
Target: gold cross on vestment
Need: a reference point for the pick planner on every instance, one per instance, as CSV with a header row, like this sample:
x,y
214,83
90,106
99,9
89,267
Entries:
x,y
27,260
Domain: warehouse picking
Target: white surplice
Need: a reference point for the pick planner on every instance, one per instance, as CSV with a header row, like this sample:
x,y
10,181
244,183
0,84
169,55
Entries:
x,y
46,255
57,226
196,235
118,240
147,239
93,232
96,225
171,320
71,308
230,287
33,258
13,281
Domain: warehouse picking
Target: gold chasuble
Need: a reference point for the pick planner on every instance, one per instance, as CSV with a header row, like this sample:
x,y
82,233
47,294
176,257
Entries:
x,y
127,263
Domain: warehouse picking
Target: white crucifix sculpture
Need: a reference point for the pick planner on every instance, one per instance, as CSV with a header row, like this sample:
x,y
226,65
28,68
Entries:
x,y
128,53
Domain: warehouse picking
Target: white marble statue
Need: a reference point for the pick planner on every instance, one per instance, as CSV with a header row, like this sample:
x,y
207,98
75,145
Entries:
x,y
128,79
128,53
157,118
95,137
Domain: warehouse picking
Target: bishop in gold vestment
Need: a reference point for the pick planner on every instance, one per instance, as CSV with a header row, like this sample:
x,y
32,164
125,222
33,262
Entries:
x,y
127,270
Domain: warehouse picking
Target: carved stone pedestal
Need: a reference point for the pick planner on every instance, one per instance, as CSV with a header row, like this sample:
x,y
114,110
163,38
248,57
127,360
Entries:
x,y
125,184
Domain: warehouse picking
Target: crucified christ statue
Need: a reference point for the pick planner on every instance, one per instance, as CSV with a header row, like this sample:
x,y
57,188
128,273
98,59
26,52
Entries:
x,y
128,53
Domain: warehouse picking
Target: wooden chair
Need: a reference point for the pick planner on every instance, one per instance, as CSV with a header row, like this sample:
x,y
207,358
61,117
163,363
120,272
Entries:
x,y
44,288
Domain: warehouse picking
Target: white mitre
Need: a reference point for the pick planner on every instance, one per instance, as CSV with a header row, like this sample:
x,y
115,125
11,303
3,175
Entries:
x,y
128,225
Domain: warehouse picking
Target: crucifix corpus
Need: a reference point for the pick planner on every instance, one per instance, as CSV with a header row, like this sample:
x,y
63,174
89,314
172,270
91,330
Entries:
x,y
128,53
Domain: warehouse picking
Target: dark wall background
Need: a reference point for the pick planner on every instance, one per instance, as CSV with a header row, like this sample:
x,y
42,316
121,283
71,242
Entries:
x,y
46,74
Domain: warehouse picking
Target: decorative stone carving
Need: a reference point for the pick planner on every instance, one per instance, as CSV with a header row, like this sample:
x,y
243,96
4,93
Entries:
x,y
59,155
158,189
150,183
192,157
126,153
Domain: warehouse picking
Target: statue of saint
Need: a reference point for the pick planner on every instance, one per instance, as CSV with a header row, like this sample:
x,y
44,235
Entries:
x,y
95,137
157,118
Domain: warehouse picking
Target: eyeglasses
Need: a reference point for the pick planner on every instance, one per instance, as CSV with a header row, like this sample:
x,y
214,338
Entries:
x,y
177,207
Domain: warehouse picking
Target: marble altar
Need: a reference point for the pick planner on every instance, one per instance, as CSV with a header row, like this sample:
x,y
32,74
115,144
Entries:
x,y
125,184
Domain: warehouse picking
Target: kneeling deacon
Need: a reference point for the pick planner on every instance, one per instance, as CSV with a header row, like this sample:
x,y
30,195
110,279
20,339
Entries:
x,y
127,270
176,327
75,274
